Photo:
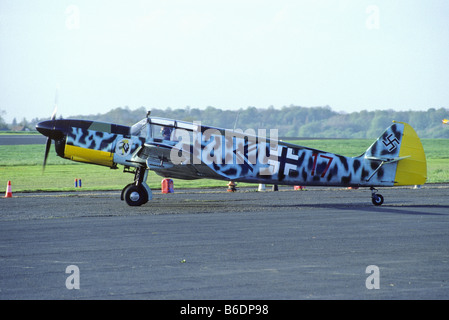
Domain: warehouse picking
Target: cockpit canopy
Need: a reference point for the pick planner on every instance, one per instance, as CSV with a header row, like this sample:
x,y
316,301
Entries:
x,y
161,128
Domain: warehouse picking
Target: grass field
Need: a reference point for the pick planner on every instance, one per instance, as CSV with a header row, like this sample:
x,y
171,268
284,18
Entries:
x,y
22,165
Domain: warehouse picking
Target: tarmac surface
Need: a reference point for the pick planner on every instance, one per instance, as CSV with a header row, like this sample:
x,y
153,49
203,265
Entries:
x,y
210,244
18,139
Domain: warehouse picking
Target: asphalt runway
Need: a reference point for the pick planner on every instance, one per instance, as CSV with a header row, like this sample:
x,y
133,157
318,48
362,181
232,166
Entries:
x,y
18,139
211,244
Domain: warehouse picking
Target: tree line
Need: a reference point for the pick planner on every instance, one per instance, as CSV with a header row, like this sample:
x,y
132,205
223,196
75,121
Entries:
x,y
291,121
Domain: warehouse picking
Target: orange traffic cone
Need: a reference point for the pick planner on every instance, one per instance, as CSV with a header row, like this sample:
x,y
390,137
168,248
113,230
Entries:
x,y
8,190
231,186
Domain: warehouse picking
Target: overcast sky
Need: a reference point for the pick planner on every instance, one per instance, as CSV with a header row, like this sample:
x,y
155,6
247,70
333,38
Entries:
x,y
348,54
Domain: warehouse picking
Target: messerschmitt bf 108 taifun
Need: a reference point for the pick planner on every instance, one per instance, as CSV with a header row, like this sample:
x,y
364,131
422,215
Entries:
x,y
185,150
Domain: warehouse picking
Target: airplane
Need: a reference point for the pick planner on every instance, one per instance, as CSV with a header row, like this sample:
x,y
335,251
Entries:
x,y
189,150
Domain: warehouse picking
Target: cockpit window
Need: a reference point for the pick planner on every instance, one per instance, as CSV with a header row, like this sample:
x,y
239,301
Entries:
x,y
139,129
163,129
162,132
171,130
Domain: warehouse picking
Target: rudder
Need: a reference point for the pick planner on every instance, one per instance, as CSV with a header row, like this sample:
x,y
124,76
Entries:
x,y
412,170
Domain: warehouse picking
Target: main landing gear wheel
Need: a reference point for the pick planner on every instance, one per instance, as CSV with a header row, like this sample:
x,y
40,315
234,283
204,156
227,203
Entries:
x,y
135,195
377,199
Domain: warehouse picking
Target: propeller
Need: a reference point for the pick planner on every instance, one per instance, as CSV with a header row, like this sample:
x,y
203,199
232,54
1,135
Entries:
x,y
48,143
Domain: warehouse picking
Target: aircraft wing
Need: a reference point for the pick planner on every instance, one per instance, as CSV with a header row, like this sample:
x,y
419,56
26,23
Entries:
x,y
158,157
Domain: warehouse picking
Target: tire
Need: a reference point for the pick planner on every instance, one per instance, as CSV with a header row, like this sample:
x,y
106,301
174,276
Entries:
x,y
122,195
377,199
135,196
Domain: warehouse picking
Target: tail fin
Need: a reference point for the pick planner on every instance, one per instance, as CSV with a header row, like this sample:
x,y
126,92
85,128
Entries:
x,y
413,169
400,145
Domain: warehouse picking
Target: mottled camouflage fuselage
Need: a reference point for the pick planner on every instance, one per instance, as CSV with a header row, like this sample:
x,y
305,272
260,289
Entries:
x,y
236,157
179,149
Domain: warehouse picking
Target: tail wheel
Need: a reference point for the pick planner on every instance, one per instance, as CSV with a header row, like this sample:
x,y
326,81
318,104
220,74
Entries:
x,y
377,199
135,195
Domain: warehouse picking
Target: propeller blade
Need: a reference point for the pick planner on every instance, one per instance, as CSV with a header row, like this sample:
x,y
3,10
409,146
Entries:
x,y
47,150
53,116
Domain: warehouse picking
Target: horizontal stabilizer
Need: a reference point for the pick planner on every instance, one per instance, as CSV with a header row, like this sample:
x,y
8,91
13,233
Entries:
x,y
387,160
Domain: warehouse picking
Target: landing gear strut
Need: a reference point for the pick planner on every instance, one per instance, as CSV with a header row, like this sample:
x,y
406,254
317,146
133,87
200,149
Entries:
x,y
377,199
137,193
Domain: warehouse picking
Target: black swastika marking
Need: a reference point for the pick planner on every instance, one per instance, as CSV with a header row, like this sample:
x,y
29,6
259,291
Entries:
x,y
391,143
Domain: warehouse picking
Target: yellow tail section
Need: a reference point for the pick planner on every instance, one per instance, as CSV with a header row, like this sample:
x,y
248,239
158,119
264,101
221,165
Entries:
x,y
413,169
